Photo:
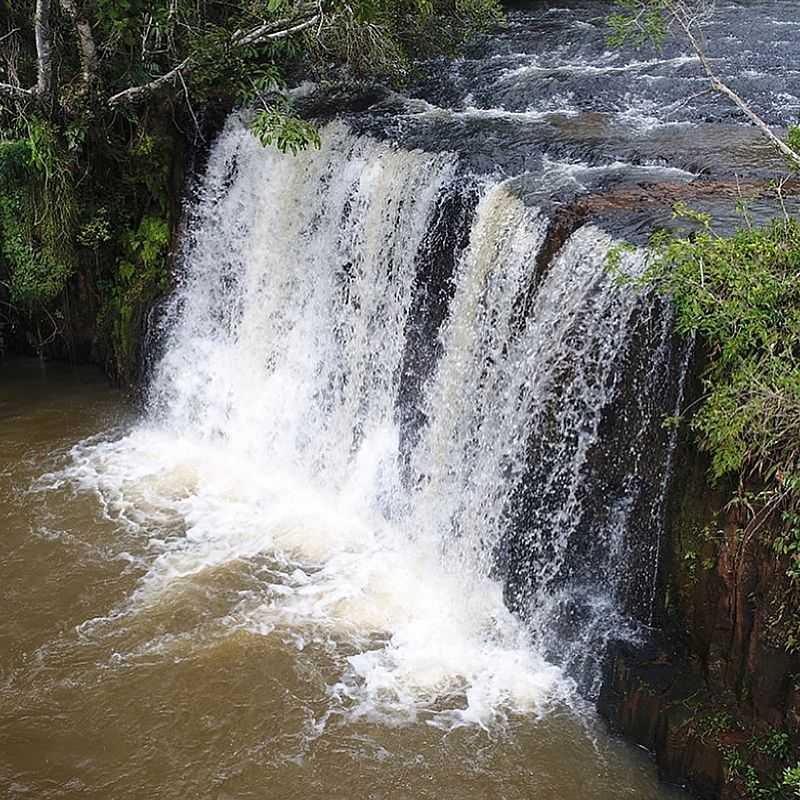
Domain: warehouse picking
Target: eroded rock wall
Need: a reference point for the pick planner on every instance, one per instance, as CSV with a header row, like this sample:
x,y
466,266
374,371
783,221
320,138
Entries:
x,y
715,694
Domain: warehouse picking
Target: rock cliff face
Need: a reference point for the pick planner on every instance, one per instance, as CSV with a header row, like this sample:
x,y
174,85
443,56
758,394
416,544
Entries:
x,y
715,694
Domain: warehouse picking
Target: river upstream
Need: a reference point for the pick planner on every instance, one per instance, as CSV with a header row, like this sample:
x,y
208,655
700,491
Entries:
x,y
401,470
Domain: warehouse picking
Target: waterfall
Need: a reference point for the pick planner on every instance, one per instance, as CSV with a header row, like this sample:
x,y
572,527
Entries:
x,y
361,394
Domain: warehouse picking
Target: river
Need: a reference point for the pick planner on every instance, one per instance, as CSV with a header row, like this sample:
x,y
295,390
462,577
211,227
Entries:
x,y
176,698
400,472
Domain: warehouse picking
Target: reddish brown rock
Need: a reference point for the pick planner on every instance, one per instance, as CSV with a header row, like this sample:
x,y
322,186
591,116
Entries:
x,y
718,678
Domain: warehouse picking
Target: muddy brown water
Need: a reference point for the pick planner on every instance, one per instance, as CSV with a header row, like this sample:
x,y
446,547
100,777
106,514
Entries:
x,y
174,703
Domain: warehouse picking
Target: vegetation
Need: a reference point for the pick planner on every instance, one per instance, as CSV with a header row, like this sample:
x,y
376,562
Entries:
x,y
791,779
741,295
757,760
97,101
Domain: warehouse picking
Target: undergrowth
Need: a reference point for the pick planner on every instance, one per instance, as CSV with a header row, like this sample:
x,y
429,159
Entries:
x,y
37,213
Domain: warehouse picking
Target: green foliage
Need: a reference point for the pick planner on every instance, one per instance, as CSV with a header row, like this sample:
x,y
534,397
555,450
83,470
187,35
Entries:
x,y
692,562
35,277
734,761
711,726
760,786
37,216
787,543
96,231
141,275
381,37
742,295
793,140
614,259
118,18
289,134
148,243
791,779
696,557
88,182
775,744
756,765
637,22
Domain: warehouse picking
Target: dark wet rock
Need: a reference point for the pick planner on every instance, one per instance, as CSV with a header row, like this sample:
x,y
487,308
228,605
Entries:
x,y
652,697
634,211
153,339
715,677
327,103
660,699
445,240
629,198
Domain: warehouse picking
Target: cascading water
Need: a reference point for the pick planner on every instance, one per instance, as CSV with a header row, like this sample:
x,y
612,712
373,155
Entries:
x,y
277,428
402,469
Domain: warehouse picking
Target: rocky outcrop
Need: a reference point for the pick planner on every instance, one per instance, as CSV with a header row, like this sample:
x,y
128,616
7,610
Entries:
x,y
715,694
637,196
650,695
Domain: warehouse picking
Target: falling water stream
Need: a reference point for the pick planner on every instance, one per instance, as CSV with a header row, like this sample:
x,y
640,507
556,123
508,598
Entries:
x,y
400,474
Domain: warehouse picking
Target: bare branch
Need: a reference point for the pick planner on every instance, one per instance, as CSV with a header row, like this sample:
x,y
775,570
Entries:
x,y
255,36
300,13
10,33
779,191
14,91
136,93
83,29
191,110
269,31
681,16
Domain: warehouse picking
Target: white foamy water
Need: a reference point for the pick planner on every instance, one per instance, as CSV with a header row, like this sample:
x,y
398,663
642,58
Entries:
x,y
273,430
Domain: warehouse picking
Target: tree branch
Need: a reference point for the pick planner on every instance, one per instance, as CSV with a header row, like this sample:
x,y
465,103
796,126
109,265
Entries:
x,y
259,35
83,30
10,33
268,31
44,80
678,14
136,93
14,91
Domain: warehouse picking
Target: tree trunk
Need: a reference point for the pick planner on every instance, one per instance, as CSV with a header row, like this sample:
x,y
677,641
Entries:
x,y
44,62
83,30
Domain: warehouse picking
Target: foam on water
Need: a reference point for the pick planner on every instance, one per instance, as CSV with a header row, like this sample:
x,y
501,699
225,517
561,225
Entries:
x,y
273,429
448,649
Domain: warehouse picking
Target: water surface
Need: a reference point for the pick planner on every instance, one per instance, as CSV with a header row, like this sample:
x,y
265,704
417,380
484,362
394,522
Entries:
x,y
104,695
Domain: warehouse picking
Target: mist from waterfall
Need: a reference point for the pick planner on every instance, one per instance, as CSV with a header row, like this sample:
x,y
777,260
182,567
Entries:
x,y
278,430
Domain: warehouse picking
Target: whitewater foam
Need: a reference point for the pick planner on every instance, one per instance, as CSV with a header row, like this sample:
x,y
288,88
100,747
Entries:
x,y
273,435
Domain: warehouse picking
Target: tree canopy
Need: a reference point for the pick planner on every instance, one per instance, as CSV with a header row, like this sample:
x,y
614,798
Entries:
x,y
97,97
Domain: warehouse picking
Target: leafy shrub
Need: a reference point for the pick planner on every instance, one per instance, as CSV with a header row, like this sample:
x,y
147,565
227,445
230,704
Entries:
x,y
289,134
37,216
775,744
742,295
791,779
